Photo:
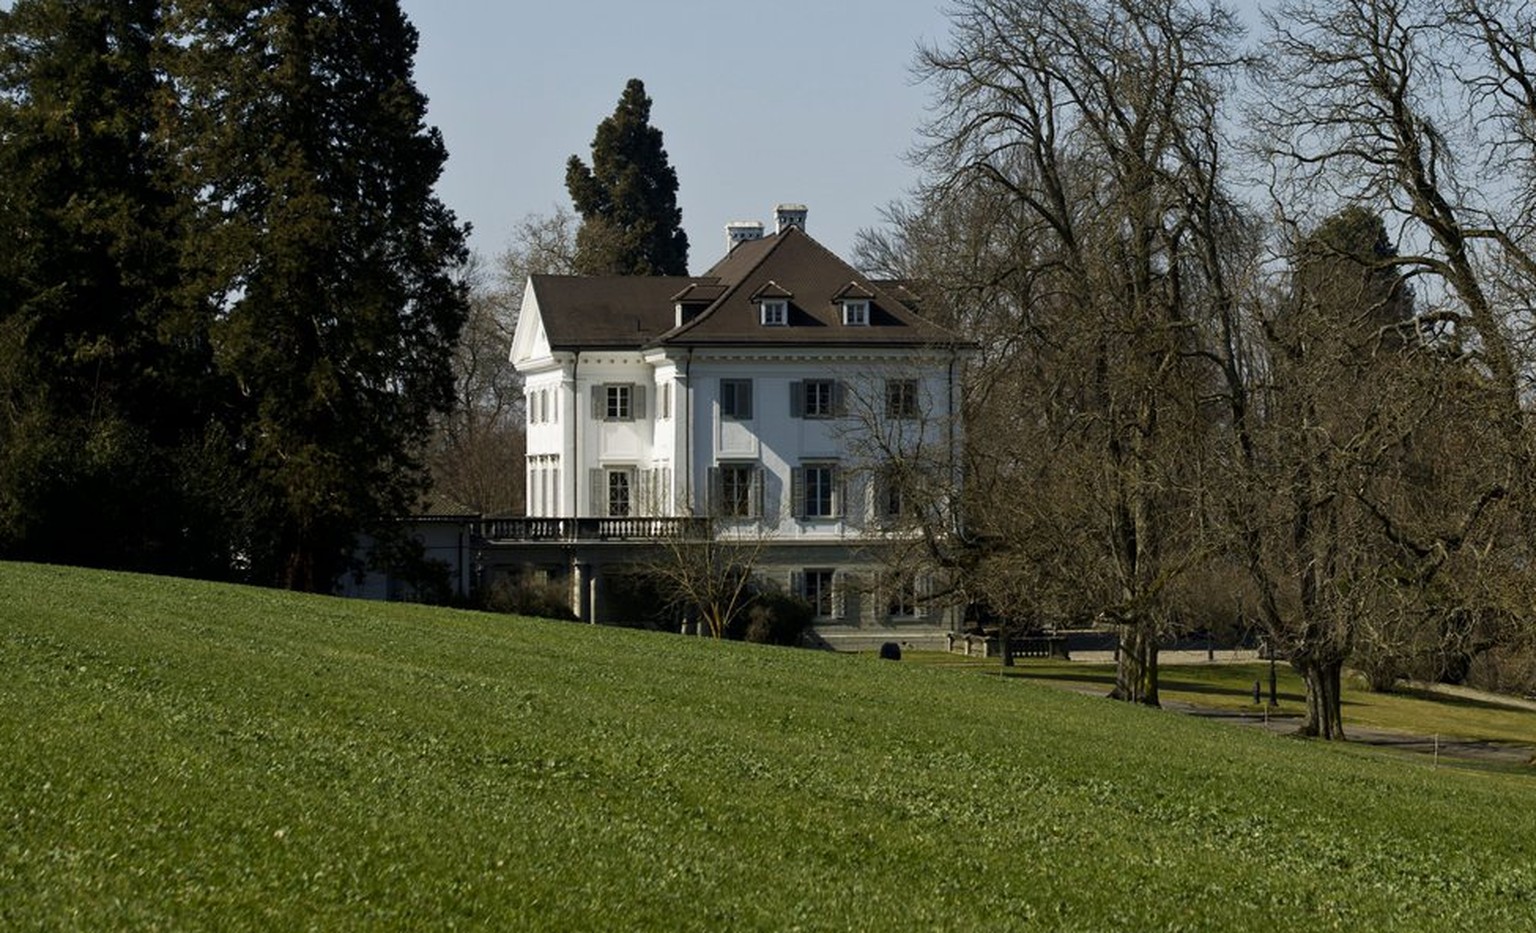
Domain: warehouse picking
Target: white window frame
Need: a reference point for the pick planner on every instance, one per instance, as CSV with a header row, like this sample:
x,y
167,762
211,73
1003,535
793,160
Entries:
x,y
856,313
825,478
774,312
736,489
618,401
619,491
828,403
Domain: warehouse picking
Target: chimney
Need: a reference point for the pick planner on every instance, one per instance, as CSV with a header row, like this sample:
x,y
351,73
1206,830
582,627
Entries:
x,y
789,215
740,231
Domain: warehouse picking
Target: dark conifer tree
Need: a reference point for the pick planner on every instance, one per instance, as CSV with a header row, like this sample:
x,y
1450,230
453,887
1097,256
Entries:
x,y
100,362
627,199
329,259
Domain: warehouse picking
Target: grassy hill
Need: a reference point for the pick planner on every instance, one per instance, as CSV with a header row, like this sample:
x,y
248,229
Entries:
x,y
178,755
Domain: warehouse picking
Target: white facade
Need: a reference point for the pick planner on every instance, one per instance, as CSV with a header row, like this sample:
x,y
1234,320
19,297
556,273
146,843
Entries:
x,y
659,419
777,425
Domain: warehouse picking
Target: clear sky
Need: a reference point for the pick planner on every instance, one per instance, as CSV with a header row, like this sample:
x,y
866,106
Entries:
x,y
760,102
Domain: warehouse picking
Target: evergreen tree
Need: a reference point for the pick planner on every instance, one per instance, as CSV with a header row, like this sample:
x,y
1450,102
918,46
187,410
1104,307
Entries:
x,y
329,260
627,199
99,360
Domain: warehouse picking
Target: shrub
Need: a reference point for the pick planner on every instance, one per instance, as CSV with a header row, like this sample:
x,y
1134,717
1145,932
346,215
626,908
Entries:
x,y
772,618
528,597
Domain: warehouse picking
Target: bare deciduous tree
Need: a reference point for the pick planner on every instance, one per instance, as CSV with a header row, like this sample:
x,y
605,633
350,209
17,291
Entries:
x,y
477,454
1096,123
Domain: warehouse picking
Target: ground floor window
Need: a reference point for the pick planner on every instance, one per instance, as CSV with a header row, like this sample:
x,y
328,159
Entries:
x,y
816,588
901,597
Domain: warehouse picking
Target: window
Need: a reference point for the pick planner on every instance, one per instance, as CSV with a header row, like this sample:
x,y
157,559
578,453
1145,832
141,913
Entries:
x,y
889,502
816,589
619,493
856,313
543,498
775,313
901,600
656,491
816,398
901,398
816,491
738,490
618,401
736,399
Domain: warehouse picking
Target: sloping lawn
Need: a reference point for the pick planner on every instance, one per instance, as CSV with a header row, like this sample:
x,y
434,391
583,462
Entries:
x,y
177,755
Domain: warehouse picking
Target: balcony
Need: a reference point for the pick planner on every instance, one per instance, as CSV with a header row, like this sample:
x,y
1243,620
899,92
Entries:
x,y
572,530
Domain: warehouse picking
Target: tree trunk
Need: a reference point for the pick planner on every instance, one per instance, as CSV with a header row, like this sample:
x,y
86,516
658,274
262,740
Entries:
x,y
1136,668
1325,718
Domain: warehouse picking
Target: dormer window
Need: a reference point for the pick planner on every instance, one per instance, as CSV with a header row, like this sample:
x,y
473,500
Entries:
x,y
772,302
854,299
775,312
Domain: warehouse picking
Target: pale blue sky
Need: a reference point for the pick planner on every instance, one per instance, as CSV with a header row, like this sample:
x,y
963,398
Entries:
x,y
807,101
760,102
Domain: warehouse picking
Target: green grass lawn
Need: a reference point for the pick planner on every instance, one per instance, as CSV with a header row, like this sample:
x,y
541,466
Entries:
x,y
182,756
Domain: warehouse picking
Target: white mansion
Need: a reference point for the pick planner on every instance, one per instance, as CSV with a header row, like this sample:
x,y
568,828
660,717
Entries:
x,y
760,395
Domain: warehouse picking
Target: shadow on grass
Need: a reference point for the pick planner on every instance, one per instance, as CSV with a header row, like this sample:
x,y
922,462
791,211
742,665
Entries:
x,y
1450,699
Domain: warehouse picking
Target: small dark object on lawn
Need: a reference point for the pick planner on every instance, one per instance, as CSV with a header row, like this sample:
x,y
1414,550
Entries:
x,y
890,651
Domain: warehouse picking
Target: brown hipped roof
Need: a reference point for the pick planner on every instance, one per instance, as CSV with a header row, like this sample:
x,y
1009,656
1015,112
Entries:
x,y
582,312
606,311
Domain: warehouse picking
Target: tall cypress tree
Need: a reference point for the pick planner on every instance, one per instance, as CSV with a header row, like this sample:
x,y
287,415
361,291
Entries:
x,y
627,199
329,259
99,359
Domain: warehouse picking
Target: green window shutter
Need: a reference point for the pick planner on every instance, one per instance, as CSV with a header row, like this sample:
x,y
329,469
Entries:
x,y
599,402
839,407
796,399
599,492
757,492
716,492
637,403
744,399
797,492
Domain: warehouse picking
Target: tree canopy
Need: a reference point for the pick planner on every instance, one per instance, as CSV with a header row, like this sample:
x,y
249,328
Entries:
x,y
233,318
627,198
